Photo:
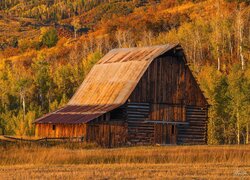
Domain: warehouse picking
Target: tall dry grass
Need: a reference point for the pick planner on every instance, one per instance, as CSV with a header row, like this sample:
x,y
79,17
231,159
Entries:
x,y
14,155
126,171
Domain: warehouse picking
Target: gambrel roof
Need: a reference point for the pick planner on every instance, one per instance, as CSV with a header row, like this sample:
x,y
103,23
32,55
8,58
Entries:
x,y
108,85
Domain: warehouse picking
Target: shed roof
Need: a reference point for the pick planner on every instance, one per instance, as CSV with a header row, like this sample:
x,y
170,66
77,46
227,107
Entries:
x,y
108,85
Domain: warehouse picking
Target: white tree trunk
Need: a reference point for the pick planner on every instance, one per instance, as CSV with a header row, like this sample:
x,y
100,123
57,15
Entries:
x,y
218,61
238,125
240,27
218,36
22,97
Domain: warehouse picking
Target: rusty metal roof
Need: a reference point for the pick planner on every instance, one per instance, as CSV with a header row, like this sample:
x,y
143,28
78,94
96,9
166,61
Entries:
x,y
76,114
115,76
108,85
67,118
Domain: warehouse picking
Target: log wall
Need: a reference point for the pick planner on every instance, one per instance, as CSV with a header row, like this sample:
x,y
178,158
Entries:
x,y
196,131
139,132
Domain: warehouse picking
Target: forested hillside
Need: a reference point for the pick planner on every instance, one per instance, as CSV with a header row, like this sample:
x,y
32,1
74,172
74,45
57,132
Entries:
x,y
48,46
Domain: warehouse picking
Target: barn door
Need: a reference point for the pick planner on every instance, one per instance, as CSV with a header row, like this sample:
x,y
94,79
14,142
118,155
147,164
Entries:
x,y
169,134
167,118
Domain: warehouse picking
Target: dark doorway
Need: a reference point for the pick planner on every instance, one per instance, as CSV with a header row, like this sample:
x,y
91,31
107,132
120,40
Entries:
x,y
169,134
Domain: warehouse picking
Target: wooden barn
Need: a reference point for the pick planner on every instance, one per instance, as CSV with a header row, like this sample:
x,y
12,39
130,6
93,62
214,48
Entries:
x,y
134,96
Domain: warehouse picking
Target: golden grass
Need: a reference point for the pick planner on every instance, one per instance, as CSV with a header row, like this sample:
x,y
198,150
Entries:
x,y
126,171
174,162
148,154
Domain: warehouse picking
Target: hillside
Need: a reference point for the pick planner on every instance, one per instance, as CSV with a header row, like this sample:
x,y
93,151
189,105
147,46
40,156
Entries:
x,y
48,47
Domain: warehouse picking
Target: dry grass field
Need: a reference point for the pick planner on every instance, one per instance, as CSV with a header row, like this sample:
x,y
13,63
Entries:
x,y
168,162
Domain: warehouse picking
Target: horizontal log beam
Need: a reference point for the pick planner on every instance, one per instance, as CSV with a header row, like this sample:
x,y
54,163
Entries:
x,y
166,122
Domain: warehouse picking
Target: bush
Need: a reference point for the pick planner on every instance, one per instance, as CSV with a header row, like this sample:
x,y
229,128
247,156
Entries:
x,y
14,42
50,38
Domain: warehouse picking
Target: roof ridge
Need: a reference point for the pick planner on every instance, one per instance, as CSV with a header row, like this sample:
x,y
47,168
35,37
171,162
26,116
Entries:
x,y
145,47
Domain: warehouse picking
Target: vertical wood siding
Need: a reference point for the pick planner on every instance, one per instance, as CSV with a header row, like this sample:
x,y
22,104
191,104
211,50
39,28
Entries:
x,y
165,135
107,134
61,130
167,112
168,80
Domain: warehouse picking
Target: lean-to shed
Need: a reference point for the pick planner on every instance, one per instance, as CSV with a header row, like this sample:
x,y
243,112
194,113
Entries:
x,y
144,95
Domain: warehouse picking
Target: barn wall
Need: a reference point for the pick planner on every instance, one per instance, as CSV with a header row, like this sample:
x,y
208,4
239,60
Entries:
x,y
168,86
111,134
168,80
165,134
167,112
139,132
61,130
196,131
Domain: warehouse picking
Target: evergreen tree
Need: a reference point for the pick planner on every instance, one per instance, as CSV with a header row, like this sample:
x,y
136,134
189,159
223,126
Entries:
x,y
50,38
